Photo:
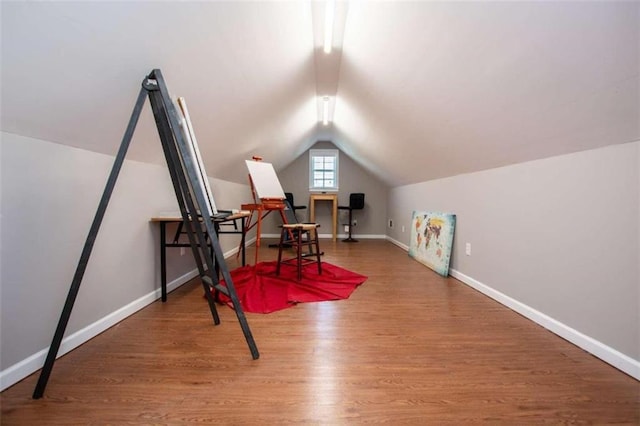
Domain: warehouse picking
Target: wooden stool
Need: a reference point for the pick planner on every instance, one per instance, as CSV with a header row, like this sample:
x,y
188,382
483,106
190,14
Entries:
x,y
296,232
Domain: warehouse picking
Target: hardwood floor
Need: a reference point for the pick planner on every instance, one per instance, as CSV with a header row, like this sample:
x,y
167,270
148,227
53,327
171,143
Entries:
x,y
408,347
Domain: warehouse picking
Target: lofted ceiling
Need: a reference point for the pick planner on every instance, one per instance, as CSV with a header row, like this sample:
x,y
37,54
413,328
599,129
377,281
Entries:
x,y
421,90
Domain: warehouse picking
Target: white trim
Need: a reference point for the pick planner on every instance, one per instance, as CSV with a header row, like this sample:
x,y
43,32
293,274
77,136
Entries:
x,y
398,243
275,236
606,353
235,250
358,236
33,363
339,236
24,368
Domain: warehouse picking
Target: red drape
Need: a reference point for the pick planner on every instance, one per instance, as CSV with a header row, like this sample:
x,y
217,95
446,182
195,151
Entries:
x,y
261,291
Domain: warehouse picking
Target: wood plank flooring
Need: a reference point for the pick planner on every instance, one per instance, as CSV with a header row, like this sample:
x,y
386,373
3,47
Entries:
x,y
408,347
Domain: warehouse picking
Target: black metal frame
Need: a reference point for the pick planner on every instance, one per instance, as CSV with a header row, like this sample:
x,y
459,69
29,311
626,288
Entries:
x,y
176,243
190,197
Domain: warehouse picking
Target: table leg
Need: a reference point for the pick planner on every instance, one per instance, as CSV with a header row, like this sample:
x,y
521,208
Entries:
x,y
335,219
242,241
163,260
312,210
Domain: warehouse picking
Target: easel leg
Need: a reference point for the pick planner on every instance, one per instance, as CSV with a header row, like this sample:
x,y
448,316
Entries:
x,y
258,231
198,197
88,247
184,198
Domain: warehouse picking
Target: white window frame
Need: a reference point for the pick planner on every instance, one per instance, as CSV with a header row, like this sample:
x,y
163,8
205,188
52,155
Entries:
x,y
313,184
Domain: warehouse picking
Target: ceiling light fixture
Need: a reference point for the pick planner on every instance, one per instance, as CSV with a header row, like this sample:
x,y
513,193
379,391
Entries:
x,y
325,110
329,12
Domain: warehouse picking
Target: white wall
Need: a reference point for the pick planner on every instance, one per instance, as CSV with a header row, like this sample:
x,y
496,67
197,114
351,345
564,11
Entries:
x,y
558,236
49,197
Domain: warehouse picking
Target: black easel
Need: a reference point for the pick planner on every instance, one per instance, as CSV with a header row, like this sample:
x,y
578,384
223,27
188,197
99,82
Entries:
x,y
191,198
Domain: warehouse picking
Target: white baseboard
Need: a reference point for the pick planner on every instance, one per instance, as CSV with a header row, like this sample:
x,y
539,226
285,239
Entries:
x,y
276,236
358,236
398,243
339,236
598,349
33,363
24,368
606,353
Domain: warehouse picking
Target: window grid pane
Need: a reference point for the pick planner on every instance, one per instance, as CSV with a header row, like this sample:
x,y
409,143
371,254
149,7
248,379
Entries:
x,y
324,170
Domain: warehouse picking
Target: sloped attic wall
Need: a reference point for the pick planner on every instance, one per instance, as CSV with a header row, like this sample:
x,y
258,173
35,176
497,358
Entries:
x,y
556,239
49,196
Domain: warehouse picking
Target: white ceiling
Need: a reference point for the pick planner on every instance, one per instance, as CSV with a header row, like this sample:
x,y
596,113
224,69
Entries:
x,y
423,89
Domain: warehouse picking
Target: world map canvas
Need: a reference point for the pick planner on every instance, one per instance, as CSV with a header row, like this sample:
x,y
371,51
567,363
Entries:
x,y
431,239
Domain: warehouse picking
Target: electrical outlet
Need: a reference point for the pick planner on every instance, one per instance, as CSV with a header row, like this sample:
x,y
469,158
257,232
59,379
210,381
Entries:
x,y
390,223
467,249
346,228
402,228
182,251
355,222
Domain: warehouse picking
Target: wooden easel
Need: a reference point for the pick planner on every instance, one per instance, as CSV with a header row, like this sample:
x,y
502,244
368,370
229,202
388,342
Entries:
x,y
192,198
261,207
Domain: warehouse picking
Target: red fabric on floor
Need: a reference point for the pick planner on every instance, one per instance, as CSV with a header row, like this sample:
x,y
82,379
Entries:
x,y
261,291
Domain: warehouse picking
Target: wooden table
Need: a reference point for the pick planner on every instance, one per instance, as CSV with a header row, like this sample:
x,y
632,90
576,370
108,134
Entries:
x,y
163,220
334,212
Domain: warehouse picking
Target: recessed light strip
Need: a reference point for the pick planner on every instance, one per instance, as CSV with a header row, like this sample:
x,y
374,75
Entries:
x,y
329,13
325,110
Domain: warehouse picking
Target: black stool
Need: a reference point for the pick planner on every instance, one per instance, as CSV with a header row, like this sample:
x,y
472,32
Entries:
x,y
301,234
356,202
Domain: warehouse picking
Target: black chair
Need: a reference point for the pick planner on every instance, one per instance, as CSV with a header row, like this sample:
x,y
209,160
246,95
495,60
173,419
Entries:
x,y
290,214
289,196
356,202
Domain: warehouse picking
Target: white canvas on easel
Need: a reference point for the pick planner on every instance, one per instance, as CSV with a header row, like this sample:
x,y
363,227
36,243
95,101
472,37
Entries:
x,y
265,181
194,154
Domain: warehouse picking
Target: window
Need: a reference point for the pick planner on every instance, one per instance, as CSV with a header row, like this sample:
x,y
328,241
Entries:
x,y
323,170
